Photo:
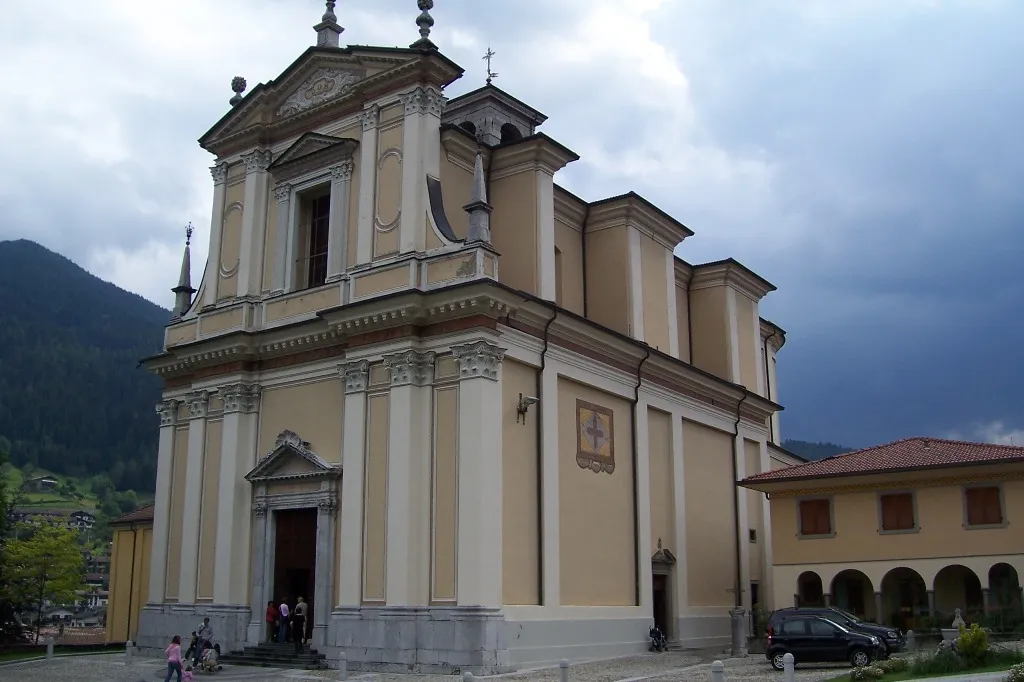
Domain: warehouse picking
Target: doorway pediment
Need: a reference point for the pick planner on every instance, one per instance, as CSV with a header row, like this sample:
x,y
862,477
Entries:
x,y
663,557
291,460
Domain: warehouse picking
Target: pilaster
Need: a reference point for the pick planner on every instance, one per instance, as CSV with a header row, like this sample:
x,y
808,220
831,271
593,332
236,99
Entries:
x,y
681,588
237,456
198,403
550,511
220,179
743,527
168,411
367,184
636,286
423,107
767,556
480,474
642,507
350,560
282,227
254,219
337,245
262,570
408,534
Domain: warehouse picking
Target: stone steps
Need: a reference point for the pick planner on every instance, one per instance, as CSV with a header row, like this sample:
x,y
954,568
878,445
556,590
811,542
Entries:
x,y
273,655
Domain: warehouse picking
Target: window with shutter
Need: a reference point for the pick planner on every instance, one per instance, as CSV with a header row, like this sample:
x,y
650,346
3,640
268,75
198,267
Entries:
x,y
898,511
984,506
815,517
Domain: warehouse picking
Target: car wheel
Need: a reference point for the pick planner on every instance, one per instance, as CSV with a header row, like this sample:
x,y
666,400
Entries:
x,y
778,662
859,658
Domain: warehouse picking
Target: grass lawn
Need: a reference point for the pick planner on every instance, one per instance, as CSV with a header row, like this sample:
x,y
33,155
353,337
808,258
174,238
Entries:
x,y
908,675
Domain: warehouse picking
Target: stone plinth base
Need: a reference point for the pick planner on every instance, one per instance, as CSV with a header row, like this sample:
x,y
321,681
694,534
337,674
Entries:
x,y
158,623
542,642
439,640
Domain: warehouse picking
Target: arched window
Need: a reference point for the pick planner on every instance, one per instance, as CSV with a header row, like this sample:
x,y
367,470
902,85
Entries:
x,y
509,133
469,127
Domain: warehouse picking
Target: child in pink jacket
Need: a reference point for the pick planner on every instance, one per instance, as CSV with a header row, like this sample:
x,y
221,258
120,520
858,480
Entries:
x,y
173,652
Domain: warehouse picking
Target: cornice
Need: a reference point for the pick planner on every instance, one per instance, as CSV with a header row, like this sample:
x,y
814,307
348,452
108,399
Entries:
x,y
537,152
732,273
634,211
806,488
770,330
571,207
683,270
461,149
492,92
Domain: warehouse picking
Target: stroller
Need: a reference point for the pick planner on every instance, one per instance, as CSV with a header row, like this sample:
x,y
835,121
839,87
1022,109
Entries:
x,y
658,640
202,655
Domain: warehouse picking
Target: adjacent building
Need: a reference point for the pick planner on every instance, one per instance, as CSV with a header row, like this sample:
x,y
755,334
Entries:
x,y
904,533
131,550
474,419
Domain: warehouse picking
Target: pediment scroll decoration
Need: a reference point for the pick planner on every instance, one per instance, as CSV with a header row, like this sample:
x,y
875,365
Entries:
x,y
291,459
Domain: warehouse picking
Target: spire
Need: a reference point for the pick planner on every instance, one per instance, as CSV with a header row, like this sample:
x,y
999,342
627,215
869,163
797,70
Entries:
x,y
424,21
328,31
478,209
183,292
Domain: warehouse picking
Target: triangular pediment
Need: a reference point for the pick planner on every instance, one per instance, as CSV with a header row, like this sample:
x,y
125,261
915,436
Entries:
x,y
663,556
291,459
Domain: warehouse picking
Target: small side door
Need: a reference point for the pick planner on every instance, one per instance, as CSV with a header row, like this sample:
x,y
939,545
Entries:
x,y
827,640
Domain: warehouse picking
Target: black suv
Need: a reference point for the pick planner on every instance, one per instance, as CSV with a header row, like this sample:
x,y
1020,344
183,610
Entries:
x,y
815,639
892,639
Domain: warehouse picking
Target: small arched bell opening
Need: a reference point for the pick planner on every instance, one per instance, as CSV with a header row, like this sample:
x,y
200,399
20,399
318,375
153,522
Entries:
x,y
509,133
469,127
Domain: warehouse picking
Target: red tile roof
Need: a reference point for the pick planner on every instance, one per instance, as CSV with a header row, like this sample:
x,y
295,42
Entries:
x,y
911,453
139,515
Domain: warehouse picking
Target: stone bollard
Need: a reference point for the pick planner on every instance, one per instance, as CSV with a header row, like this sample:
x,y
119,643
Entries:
x,y
342,666
717,672
129,647
563,670
911,641
49,648
467,676
787,667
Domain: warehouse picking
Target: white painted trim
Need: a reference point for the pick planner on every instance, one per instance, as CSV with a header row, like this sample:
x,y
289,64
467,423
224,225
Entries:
x,y
546,288
194,481
411,235
161,514
636,286
254,228
681,593
337,244
642,502
734,343
350,559
768,593
673,316
550,506
744,521
521,347
367,190
213,257
758,354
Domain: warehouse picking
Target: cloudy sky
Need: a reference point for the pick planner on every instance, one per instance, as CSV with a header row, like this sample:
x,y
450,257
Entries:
x,y
866,156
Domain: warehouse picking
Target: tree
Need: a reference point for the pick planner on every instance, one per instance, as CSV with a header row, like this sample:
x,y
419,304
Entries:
x,y
46,567
10,626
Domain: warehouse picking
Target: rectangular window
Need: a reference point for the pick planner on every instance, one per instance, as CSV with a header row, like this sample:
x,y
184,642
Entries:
x,y
316,253
815,517
898,511
984,506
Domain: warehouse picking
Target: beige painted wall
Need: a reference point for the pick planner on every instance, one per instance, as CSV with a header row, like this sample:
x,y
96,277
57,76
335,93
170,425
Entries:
x,y
940,515
388,193
655,293
375,500
711,346
608,281
663,508
710,544
755,512
569,242
597,550
521,489
749,340
208,510
457,188
129,581
445,495
179,461
514,229
314,411
682,323
231,240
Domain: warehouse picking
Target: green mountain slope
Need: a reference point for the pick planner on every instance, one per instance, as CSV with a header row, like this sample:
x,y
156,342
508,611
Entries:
x,y
72,399
809,450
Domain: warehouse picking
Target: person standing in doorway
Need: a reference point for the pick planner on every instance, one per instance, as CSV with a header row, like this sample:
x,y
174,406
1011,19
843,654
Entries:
x,y
299,624
282,612
271,621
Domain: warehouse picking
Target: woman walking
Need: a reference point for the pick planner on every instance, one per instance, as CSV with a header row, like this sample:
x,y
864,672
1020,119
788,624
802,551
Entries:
x,y
299,624
173,652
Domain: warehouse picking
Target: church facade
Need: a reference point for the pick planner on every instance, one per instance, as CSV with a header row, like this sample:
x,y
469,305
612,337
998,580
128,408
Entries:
x,y
476,421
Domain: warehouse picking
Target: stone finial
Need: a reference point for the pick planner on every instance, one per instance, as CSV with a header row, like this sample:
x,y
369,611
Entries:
x,y
478,209
328,31
183,292
425,22
237,87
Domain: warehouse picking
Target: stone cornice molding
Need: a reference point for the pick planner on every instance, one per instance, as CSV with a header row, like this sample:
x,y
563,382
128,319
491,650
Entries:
x,y
290,445
241,397
460,148
537,152
731,273
424,100
257,161
198,404
356,375
570,208
684,271
219,172
827,486
410,368
770,330
478,360
168,411
634,211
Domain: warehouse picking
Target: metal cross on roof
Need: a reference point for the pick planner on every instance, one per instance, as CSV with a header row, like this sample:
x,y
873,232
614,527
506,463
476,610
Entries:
x,y
487,57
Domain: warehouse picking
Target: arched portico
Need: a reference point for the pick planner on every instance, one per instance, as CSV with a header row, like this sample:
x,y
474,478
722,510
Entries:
x,y
904,598
852,591
809,591
957,587
1005,600
292,477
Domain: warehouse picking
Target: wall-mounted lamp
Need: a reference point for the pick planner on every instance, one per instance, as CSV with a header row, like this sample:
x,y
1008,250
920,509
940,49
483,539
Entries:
x,y
524,405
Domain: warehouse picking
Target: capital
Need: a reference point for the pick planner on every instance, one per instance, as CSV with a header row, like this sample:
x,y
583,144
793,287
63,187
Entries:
x,y
478,360
410,367
260,508
198,404
219,172
424,101
342,172
240,397
258,160
283,192
356,375
370,117
328,507
168,411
